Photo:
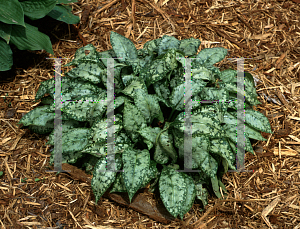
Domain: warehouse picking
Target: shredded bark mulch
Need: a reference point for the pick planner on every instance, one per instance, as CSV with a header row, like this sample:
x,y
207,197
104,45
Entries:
x,y
267,32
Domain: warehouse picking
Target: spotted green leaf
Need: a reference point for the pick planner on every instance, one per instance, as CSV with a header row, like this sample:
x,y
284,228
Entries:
x,y
189,46
136,165
258,121
123,47
103,178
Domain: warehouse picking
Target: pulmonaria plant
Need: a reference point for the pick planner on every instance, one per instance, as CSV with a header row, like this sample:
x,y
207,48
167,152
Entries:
x,y
149,119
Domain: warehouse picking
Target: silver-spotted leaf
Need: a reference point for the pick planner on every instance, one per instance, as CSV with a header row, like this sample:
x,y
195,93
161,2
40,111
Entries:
x,y
103,178
123,47
173,190
258,121
136,165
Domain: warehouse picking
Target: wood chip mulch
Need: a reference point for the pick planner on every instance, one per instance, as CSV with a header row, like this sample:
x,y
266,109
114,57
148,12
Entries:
x,y
267,32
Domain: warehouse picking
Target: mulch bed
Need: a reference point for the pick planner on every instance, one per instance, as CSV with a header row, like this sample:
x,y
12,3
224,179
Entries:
x,y
267,32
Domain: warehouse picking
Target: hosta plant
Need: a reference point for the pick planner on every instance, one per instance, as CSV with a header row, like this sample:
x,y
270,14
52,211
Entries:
x,y
149,112
15,28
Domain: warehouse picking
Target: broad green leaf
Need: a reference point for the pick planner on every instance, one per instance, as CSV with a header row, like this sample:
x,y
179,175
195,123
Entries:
x,y
136,165
228,76
222,148
173,191
210,56
99,129
152,46
36,9
38,116
189,46
11,12
160,155
6,56
30,38
190,195
148,105
133,121
202,194
5,31
231,133
149,134
103,179
167,42
165,140
258,121
123,47
66,126
64,14
65,1
159,68
75,139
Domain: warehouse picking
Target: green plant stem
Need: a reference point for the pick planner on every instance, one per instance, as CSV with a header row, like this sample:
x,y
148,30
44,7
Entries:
x,y
171,115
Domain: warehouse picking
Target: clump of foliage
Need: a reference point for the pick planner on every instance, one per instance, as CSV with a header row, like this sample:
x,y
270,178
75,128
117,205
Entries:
x,y
149,119
13,28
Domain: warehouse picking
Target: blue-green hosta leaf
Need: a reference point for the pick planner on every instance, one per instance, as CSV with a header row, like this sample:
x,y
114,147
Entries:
x,y
173,191
190,196
136,165
210,56
66,125
38,116
64,14
159,68
148,105
202,194
231,133
165,139
11,12
152,46
36,9
258,121
133,121
167,42
30,38
189,46
6,54
99,129
222,148
123,47
103,179
149,134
